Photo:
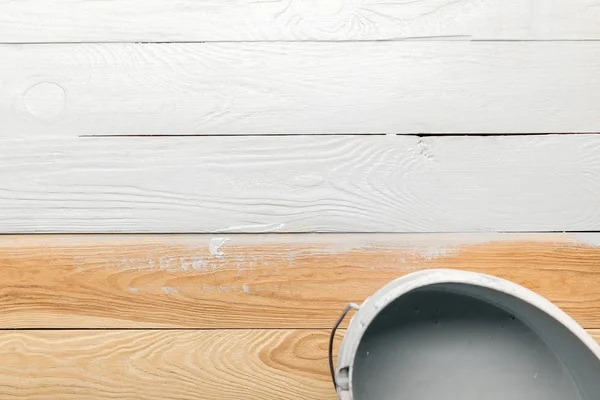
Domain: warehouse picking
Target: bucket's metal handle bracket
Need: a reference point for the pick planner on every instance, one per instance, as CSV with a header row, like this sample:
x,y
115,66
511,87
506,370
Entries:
x,y
351,306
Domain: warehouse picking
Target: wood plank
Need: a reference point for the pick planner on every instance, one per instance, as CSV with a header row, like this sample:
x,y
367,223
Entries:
x,y
384,183
249,20
299,88
265,281
166,365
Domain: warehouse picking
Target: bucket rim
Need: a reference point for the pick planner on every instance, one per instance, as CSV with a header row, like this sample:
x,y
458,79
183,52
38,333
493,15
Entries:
x,y
374,304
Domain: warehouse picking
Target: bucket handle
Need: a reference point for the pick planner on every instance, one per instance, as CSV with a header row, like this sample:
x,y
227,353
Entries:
x,y
332,337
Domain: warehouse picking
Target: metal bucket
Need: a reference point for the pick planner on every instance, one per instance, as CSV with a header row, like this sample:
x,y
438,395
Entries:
x,y
448,334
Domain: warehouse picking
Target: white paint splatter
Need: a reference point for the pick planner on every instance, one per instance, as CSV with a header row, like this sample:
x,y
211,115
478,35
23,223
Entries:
x,y
225,288
198,263
431,252
166,263
184,264
195,263
409,268
215,244
246,289
133,290
150,263
591,239
228,288
169,290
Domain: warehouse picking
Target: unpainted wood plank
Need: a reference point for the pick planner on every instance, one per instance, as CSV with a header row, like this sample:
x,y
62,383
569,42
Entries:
x,y
299,88
250,20
167,365
389,183
265,281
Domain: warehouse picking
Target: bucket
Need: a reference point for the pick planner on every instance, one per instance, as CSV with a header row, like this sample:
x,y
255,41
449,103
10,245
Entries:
x,y
449,334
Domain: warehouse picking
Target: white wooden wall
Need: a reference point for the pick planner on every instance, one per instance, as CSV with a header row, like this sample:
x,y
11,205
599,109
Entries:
x,y
58,21
382,183
93,93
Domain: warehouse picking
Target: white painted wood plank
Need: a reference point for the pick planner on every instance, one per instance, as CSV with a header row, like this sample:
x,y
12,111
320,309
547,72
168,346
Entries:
x,y
351,87
390,183
250,20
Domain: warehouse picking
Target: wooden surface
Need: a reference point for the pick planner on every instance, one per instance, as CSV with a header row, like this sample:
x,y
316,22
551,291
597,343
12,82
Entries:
x,y
404,87
301,184
166,365
265,281
248,20
241,124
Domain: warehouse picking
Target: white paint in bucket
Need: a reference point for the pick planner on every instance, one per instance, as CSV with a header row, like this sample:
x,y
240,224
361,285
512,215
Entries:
x,y
448,334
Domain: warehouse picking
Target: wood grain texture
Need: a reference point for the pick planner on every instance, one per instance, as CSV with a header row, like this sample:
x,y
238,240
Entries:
x,y
265,281
249,20
166,365
299,88
389,183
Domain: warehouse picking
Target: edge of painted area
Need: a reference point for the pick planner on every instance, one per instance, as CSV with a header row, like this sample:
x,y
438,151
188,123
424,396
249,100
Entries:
x,y
373,305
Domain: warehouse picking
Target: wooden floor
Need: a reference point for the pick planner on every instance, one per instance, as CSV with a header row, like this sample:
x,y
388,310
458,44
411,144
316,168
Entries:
x,y
191,191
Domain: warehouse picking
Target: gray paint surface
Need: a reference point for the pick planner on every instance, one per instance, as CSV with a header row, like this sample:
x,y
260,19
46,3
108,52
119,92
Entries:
x,y
432,344
451,334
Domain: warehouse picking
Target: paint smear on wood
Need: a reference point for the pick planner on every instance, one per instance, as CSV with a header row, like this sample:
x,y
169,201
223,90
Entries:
x,y
266,281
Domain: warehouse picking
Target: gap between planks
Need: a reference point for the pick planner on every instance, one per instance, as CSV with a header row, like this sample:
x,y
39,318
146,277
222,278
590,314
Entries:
x,y
271,135
408,39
